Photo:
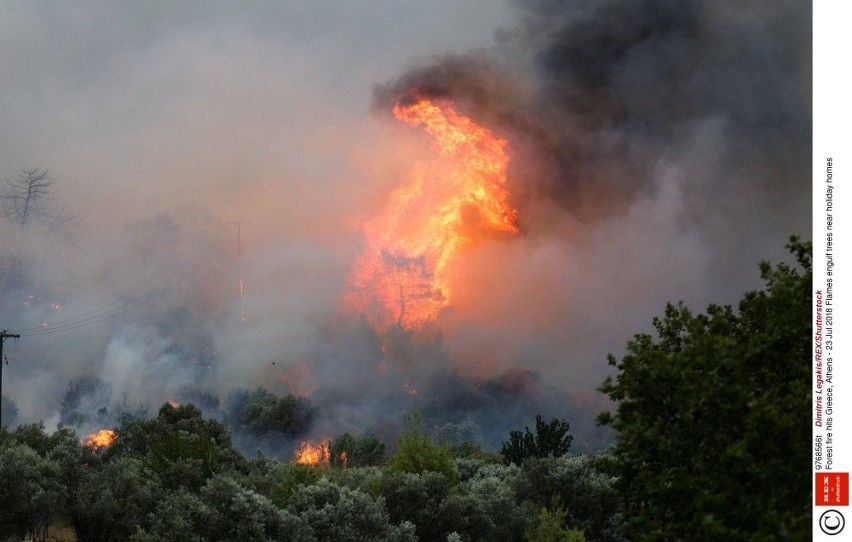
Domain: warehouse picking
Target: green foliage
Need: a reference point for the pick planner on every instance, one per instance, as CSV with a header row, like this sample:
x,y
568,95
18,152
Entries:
x,y
417,498
110,500
550,439
179,447
349,451
342,514
29,491
260,412
294,477
712,414
551,528
221,511
417,453
486,508
587,492
34,436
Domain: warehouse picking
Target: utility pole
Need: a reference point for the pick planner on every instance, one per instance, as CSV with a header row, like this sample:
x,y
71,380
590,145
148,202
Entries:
x,y
3,337
239,224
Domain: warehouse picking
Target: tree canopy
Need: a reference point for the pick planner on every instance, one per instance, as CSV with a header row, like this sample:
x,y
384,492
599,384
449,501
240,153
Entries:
x,y
712,417
550,439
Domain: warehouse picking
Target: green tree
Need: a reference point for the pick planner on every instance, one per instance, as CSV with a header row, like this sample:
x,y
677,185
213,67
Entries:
x,y
551,528
550,439
178,447
416,498
260,412
417,453
110,501
29,491
222,511
350,451
712,417
342,514
583,488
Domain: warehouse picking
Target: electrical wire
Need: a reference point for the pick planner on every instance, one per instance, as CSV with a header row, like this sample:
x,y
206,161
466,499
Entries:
x,y
124,300
106,312
96,319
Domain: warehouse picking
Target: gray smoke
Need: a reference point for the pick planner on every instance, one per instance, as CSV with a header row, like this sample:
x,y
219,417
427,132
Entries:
x,y
659,150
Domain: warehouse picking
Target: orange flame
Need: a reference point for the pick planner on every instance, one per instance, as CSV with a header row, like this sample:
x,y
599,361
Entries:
x,y
101,439
312,454
173,403
404,277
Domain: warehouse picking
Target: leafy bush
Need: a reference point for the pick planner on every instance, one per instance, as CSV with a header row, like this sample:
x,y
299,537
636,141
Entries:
x,y
337,513
550,439
349,451
417,498
259,412
588,494
222,511
30,491
110,500
551,528
417,453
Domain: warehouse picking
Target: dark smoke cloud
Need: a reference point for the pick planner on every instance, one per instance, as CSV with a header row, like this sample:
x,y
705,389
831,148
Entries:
x,y
659,150
594,95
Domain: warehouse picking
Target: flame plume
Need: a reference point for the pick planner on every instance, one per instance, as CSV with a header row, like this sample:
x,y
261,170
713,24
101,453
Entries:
x,y
101,439
404,276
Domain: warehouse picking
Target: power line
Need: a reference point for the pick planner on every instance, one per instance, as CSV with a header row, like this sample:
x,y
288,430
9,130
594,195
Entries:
x,y
125,300
106,312
46,329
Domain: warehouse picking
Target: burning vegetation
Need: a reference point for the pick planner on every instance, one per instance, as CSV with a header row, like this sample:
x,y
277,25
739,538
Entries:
x,y
312,454
405,275
101,439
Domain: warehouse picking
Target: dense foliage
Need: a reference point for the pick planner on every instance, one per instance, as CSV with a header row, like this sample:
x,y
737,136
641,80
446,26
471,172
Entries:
x,y
178,477
712,417
550,439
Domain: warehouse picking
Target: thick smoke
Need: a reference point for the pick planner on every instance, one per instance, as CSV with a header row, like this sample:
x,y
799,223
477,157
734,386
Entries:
x,y
658,149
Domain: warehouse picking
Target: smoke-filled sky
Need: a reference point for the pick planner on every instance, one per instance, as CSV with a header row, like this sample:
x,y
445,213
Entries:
x,y
658,149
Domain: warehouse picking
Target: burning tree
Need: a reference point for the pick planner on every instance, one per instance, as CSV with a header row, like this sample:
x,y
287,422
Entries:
x,y
404,277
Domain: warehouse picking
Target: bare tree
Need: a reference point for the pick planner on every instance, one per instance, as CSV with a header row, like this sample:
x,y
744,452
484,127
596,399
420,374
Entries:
x,y
31,198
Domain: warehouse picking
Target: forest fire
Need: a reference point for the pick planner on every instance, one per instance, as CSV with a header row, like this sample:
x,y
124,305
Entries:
x,y
312,454
405,275
173,403
101,439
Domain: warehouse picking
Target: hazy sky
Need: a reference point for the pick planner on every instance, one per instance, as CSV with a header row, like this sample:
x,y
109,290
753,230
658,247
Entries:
x,y
136,107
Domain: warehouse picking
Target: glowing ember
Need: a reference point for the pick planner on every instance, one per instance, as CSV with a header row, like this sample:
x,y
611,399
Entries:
x,y
405,275
312,454
101,439
409,389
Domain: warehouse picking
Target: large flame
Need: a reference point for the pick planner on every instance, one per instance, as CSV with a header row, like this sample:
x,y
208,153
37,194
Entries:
x,y
101,439
405,275
312,454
